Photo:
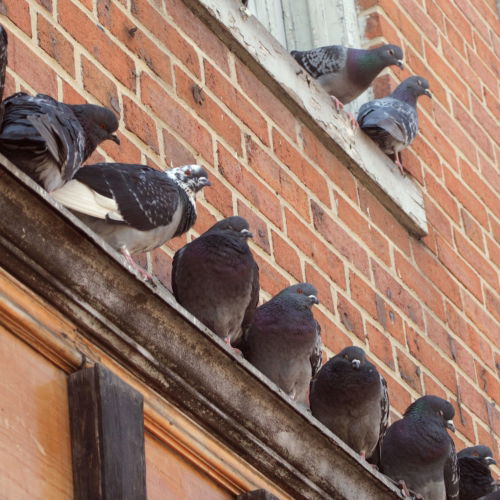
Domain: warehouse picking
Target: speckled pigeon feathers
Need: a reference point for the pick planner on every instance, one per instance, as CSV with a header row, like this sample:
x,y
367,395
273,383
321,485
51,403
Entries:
x,y
3,64
216,278
283,342
350,398
418,449
134,207
475,475
48,139
323,60
392,121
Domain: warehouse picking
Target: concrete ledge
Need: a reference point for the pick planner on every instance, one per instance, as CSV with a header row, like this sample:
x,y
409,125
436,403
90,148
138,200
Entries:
x,y
263,54
142,327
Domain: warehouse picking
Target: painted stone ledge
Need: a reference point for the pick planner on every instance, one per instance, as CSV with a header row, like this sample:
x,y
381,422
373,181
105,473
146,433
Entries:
x,y
146,331
272,64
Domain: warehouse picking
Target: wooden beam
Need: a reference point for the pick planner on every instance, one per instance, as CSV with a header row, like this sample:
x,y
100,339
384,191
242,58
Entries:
x,y
107,436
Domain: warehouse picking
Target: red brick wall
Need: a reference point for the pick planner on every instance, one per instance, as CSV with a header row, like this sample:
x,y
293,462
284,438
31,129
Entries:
x,y
428,311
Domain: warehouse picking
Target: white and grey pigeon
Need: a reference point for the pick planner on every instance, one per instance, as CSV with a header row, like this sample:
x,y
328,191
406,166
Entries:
x,y
392,121
350,397
216,278
3,65
344,72
418,452
134,208
284,340
475,476
50,140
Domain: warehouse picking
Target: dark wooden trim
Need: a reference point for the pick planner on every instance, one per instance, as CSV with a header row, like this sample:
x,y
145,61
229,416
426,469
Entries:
x,y
107,436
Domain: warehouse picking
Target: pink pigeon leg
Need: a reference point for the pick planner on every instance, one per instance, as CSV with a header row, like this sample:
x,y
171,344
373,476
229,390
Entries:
x,y
399,164
236,351
133,264
338,105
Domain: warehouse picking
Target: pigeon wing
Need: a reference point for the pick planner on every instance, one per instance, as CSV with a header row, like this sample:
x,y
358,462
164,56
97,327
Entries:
x,y
317,352
323,60
451,474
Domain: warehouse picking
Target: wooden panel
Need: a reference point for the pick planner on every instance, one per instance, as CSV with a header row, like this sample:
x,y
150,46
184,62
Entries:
x,y
169,475
107,434
35,453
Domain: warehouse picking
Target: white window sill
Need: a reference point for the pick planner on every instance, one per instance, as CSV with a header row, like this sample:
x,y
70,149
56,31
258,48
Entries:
x,y
277,70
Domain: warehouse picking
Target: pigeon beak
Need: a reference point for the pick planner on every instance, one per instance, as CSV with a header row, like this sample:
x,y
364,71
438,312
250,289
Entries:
x,y
314,299
400,64
114,138
489,460
355,363
427,92
450,425
205,182
246,233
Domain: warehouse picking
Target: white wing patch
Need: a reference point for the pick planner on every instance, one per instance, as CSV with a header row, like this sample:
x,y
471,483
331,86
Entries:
x,y
77,196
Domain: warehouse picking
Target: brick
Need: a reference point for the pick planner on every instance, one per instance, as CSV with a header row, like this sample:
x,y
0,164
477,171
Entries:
x,y
56,45
70,95
459,268
175,152
46,4
492,301
309,243
472,399
339,238
463,420
429,357
99,85
286,257
488,382
350,317
25,63
475,19
126,152
162,266
136,41
176,117
485,119
312,275
140,123
277,178
493,251
265,100
333,337
249,186
431,387
219,196
390,320
457,18
421,286
472,229
409,371
402,21
85,31
18,12
380,345
397,294
487,77
423,21
481,319
236,102
483,189
301,167
363,294
271,280
399,397
440,196
208,110
205,219
258,226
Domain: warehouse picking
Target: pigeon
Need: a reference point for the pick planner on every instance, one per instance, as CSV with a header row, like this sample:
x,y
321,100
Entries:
x,y
418,452
3,65
344,72
49,140
475,476
134,208
350,398
284,340
392,121
216,278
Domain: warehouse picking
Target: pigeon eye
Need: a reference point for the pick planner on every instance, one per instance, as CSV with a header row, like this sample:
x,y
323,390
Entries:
x,y
419,82
391,52
475,454
187,173
346,356
440,412
299,290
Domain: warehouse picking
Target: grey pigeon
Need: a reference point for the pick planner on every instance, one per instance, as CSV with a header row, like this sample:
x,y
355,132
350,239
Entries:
x,y
344,72
49,140
3,65
284,340
418,451
350,398
392,121
216,278
134,208
475,475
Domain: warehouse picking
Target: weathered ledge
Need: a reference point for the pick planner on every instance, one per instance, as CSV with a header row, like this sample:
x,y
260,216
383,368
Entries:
x,y
145,330
264,55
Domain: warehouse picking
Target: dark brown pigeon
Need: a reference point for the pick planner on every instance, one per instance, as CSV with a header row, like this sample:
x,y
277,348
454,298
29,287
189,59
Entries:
x,y
392,122
134,208
49,140
475,475
418,451
216,278
3,65
284,340
350,398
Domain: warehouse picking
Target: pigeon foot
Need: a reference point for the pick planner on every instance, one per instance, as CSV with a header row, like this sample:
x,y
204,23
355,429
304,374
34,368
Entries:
x,y
236,351
352,120
338,105
144,275
399,164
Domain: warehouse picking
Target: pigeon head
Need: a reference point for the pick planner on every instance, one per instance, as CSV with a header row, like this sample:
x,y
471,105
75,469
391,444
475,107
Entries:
x,y
411,89
304,295
234,224
390,55
481,452
99,124
352,356
190,177
433,407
